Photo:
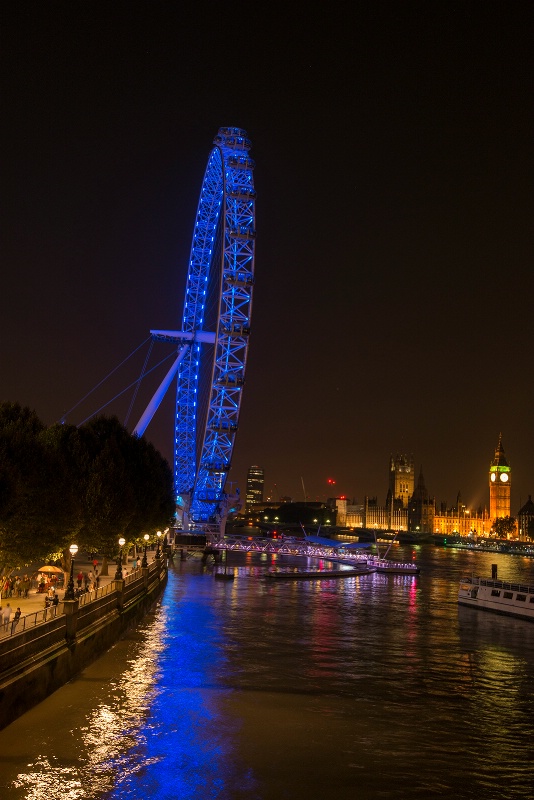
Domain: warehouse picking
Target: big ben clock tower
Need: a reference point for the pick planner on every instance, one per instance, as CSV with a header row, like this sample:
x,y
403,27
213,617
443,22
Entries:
x,y
500,478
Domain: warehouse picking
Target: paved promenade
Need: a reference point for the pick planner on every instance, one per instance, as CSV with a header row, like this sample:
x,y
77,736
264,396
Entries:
x,y
82,563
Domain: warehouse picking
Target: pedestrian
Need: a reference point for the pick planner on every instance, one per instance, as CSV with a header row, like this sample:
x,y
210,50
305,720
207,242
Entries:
x,y
97,580
15,622
85,580
6,616
79,579
124,573
95,562
134,564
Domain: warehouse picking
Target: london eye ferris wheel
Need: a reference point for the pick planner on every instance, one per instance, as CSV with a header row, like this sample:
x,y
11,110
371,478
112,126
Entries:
x,y
213,343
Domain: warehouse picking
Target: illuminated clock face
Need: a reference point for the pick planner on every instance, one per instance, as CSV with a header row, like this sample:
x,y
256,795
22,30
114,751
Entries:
x,y
492,476
504,477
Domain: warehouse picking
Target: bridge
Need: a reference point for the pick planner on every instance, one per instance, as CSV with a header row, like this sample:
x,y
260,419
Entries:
x,y
308,548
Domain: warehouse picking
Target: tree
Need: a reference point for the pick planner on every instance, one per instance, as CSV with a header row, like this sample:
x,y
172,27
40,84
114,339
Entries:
x,y
65,448
504,527
153,487
89,485
37,496
128,487
107,494
23,474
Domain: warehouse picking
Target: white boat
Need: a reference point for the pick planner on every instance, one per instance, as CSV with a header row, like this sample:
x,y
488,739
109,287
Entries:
x,y
393,567
383,564
512,599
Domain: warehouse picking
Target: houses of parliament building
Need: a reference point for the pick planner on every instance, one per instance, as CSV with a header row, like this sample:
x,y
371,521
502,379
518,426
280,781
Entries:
x,y
409,507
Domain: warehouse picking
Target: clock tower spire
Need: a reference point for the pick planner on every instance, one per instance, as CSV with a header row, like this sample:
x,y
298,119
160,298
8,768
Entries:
x,y
500,479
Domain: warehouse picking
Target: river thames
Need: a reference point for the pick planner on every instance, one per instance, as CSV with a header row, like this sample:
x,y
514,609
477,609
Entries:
x,y
373,686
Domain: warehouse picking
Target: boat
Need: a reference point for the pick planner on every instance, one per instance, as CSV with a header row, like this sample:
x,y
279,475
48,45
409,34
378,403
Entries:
x,y
393,567
501,597
224,576
384,565
296,574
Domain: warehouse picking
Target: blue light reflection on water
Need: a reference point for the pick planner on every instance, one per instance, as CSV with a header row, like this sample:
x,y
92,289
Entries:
x,y
379,687
186,748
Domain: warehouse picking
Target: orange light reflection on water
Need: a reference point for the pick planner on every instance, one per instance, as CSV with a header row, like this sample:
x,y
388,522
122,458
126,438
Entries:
x,y
110,737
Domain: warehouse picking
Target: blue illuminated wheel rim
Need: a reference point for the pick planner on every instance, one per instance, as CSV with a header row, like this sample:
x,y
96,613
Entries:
x,y
225,214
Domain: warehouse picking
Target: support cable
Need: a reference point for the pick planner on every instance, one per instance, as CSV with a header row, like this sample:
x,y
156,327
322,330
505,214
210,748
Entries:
x,y
170,355
64,417
141,376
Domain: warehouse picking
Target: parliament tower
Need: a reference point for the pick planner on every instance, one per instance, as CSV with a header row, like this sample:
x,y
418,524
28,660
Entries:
x,y
401,479
500,479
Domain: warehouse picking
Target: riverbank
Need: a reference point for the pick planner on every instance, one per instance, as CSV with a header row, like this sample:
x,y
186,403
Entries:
x,y
36,601
486,545
36,659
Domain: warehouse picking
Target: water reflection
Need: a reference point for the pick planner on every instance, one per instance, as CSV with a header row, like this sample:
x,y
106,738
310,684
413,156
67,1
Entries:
x,y
110,741
374,686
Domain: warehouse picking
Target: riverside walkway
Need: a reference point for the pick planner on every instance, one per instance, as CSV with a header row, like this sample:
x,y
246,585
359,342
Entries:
x,y
44,649
34,609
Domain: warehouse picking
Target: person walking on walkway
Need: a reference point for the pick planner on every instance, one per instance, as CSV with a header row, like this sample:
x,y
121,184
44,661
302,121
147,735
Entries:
x,y
79,579
15,622
6,616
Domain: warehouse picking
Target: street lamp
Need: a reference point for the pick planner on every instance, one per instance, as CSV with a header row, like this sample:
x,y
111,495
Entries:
x,y
144,562
118,571
69,594
158,534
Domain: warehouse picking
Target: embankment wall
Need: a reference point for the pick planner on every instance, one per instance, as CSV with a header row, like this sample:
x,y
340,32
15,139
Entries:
x,y
37,661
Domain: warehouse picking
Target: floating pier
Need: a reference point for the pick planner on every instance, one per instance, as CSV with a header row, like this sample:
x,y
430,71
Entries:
x,y
296,575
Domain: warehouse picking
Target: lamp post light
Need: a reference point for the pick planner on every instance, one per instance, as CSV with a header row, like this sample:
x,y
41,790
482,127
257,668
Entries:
x,y
118,571
69,594
144,562
158,534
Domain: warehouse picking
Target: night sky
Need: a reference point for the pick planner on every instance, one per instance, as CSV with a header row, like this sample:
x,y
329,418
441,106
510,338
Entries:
x,y
393,306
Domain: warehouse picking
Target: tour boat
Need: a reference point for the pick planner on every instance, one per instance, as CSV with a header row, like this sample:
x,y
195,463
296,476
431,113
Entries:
x,y
381,563
293,573
513,599
393,567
